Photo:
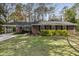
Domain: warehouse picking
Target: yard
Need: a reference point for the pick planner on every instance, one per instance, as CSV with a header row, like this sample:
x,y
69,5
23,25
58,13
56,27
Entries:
x,y
24,45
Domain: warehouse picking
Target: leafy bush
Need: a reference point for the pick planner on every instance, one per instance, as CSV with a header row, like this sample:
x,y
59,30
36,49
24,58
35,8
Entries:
x,y
14,29
58,32
54,32
44,32
1,30
64,32
77,28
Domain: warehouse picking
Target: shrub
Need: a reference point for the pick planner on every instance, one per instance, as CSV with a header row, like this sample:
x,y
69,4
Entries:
x,y
58,32
54,32
77,28
64,32
14,29
1,30
49,32
44,32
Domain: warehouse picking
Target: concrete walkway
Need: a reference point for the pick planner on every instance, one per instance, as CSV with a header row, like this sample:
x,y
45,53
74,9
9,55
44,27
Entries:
x,y
6,36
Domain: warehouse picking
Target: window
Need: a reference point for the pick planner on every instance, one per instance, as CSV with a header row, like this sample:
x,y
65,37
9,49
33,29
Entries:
x,y
47,27
53,27
59,27
70,27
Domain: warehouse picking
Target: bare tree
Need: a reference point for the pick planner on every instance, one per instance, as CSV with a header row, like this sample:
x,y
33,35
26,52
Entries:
x,y
41,10
29,10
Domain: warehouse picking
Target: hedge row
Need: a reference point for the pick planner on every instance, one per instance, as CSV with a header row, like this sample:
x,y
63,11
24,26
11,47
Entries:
x,y
54,32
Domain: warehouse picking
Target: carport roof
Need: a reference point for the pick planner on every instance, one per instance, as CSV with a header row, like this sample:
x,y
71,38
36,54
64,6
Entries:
x,y
19,23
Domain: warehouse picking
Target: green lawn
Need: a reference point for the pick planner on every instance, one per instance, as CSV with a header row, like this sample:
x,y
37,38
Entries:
x,y
24,45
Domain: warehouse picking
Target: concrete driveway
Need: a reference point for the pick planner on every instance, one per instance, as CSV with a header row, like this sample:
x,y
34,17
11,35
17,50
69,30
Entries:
x,y
6,36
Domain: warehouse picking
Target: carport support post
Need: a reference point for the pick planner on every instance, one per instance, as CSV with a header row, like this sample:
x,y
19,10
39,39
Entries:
x,y
5,29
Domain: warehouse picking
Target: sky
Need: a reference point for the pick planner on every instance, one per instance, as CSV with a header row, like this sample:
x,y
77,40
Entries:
x,y
60,6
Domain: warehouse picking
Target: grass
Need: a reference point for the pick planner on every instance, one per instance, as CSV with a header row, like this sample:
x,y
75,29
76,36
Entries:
x,y
23,45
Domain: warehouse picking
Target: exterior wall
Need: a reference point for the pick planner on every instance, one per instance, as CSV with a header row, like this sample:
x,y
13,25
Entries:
x,y
18,29
35,30
71,29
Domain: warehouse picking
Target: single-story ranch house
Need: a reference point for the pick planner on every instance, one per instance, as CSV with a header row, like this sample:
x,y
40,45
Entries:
x,y
35,27
53,25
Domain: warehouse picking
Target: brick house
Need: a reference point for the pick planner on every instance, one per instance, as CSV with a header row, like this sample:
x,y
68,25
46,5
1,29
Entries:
x,y
36,27
53,25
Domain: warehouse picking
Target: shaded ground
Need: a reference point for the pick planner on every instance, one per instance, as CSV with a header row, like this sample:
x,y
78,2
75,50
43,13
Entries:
x,y
23,45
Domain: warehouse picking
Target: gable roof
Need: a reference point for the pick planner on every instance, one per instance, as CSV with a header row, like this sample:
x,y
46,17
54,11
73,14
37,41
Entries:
x,y
54,23
38,23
